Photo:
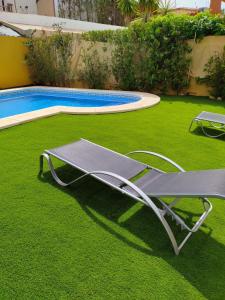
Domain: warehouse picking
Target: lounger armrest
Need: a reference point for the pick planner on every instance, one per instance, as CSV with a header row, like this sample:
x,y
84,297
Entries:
x,y
127,182
160,156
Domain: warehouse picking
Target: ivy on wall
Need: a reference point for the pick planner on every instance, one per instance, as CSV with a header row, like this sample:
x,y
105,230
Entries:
x,y
94,71
155,56
215,75
151,57
50,59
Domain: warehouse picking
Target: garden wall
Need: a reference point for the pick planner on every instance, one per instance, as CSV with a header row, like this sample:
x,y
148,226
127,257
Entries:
x,y
201,52
104,51
13,69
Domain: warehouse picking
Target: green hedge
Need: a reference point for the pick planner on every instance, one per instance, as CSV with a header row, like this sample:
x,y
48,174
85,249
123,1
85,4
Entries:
x,y
155,56
188,27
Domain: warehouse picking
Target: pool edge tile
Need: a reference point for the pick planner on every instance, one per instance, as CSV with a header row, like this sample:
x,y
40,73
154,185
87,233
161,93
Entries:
x,y
147,100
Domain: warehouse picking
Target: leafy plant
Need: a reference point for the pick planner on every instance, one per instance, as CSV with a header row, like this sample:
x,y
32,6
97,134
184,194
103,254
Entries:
x,y
50,59
127,8
215,78
147,8
144,9
165,6
95,70
189,27
155,56
151,57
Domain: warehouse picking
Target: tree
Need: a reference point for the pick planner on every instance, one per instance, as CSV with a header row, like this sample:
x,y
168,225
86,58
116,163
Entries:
x,y
128,9
108,12
77,9
165,6
101,11
141,8
147,8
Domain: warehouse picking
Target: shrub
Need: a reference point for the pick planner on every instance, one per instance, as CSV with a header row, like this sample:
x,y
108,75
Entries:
x,y
95,70
50,59
189,27
215,78
151,57
155,55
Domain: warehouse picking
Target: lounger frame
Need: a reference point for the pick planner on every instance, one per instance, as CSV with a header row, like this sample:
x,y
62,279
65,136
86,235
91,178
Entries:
x,y
143,198
211,124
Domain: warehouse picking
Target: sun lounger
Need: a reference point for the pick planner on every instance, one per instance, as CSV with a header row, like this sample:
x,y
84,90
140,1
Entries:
x,y
117,170
215,121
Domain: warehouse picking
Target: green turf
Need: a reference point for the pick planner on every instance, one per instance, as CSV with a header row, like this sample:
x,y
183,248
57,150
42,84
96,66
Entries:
x,y
89,242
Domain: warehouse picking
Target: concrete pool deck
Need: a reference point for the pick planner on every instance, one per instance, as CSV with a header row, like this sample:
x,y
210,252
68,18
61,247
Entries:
x,y
147,100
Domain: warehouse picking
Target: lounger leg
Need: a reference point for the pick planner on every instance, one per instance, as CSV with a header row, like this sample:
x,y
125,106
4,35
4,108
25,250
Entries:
x,y
52,170
210,135
221,126
170,235
41,164
204,130
167,210
191,124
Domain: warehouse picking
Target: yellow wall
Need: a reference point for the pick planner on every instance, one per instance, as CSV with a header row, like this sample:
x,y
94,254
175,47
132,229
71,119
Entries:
x,y
13,69
201,53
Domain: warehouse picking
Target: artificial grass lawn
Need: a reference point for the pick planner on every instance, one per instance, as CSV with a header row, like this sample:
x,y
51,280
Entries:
x,y
89,242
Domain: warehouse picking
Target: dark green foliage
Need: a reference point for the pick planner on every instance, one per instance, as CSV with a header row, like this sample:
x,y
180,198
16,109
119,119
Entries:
x,y
215,78
95,69
50,59
107,12
155,56
189,27
123,66
151,57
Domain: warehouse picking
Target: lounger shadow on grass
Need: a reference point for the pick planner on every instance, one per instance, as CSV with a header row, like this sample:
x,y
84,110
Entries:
x,y
201,262
197,130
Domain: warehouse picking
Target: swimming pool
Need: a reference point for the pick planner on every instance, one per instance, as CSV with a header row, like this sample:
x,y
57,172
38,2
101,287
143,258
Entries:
x,y
27,100
22,105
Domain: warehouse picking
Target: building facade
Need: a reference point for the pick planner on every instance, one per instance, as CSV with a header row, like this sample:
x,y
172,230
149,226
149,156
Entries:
x,y
215,6
48,8
78,10
19,6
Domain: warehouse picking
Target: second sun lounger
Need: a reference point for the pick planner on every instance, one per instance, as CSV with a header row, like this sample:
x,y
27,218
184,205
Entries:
x,y
215,121
117,170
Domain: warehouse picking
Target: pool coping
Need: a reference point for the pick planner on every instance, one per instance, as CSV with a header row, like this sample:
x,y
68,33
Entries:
x,y
147,100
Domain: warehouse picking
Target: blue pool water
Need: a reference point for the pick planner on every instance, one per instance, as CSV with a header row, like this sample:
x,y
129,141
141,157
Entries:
x,y
22,101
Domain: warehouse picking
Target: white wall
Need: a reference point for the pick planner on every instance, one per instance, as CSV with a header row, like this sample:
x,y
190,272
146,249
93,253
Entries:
x,y
36,20
21,6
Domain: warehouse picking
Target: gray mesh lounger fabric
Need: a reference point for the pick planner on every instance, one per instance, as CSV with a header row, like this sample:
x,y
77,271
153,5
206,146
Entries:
x,y
116,170
183,184
216,121
211,117
87,157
